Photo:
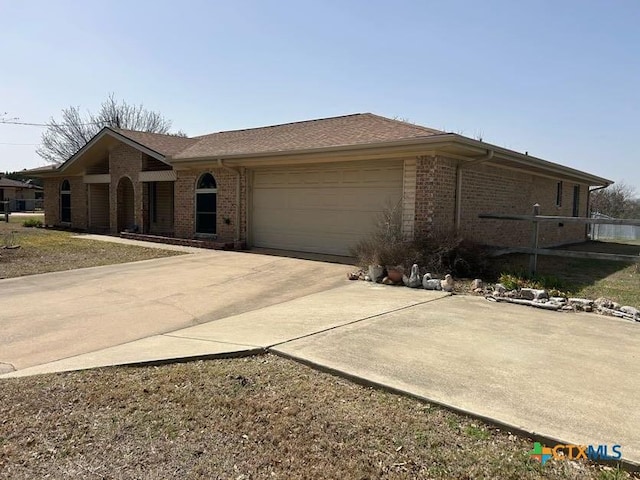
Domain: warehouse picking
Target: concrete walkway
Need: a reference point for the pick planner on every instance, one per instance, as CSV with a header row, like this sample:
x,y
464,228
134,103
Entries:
x,y
141,243
571,377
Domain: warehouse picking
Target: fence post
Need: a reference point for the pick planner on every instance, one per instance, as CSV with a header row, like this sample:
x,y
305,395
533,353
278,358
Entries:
x,y
533,258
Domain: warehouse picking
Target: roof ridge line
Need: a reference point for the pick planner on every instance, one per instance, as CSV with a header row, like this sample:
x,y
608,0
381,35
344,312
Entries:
x,y
403,122
284,124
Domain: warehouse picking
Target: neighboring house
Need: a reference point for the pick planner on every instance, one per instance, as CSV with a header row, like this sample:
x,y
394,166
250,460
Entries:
x,y
20,196
315,186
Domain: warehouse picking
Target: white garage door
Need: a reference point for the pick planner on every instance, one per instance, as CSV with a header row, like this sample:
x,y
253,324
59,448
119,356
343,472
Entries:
x,y
324,208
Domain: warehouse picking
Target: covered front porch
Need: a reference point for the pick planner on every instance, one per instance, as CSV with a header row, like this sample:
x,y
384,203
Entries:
x,y
117,205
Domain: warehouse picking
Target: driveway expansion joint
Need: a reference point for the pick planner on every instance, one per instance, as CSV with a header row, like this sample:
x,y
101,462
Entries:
x,y
210,341
336,327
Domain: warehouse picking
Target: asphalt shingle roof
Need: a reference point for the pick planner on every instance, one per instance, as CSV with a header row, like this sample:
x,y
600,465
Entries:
x,y
7,182
357,129
163,144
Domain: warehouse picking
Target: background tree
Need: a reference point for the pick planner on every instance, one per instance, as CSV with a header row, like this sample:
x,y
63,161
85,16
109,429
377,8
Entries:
x,y
64,138
619,201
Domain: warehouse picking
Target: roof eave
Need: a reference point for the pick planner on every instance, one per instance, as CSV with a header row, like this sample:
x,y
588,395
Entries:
x,y
529,160
413,146
410,144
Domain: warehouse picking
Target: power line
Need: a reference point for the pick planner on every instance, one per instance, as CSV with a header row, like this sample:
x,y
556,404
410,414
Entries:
x,y
25,144
31,124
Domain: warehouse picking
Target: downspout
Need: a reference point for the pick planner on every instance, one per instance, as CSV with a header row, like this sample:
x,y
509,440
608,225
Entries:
x,y
459,168
237,173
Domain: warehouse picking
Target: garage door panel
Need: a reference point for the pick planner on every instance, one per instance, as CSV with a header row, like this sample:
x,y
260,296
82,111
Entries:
x,y
361,199
325,208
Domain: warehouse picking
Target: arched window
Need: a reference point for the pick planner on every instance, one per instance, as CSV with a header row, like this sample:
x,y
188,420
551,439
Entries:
x,y
206,191
65,202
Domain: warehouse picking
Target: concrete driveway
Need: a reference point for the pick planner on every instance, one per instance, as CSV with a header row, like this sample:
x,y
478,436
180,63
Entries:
x,y
566,376
56,315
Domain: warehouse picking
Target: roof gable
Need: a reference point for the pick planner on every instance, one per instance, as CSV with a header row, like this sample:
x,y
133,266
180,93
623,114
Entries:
x,y
166,145
107,136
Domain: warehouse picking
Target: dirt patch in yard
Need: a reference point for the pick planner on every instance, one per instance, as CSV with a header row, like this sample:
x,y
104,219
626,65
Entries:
x,y
259,417
43,250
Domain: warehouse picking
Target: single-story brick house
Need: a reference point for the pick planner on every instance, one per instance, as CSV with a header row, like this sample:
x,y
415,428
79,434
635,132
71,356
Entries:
x,y
314,186
20,196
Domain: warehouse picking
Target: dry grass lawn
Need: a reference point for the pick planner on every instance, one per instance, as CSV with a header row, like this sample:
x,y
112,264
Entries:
x,y
588,278
259,417
42,250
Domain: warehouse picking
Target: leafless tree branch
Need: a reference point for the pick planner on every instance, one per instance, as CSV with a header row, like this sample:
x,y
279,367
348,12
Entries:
x,y
64,138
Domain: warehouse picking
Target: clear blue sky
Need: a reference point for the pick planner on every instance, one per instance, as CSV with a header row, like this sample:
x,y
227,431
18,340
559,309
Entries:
x,y
560,79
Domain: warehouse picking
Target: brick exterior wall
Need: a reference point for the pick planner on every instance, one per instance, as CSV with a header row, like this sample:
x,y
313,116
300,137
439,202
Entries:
x,y
435,196
226,182
431,179
51,200
491,189
125,161
78,201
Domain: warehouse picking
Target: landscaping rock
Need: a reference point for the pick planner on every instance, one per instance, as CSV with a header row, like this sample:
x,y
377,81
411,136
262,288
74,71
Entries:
x,y
580,302
447,284
499,289
533,294
357,275
632,311
522,301
558,299
477,284
603,302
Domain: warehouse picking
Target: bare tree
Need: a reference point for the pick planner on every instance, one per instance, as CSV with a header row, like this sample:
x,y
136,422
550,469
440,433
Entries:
x,y
619,201
64,138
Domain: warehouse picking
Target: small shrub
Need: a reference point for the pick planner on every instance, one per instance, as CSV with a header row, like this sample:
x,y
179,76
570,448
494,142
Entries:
x,y
385,244
517,280
441,254
32,222
451,253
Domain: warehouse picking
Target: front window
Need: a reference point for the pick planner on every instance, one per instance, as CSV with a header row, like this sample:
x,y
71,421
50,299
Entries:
x,y
65,202
206,192
559,194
